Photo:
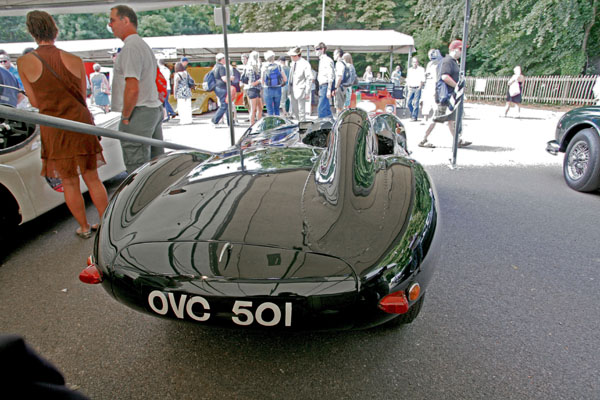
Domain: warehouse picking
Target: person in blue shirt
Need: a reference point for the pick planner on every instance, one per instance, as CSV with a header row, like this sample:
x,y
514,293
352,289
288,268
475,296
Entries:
x,y
5,62
9,89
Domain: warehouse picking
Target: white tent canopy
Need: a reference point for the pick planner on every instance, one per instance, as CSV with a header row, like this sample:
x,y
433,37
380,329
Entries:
x,y
21,7
204,47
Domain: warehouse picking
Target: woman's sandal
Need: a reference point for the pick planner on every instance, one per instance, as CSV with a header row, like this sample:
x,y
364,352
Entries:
x,y
83,235
426,144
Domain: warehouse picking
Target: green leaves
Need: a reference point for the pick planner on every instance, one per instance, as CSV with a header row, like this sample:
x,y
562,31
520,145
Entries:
x,y
543,36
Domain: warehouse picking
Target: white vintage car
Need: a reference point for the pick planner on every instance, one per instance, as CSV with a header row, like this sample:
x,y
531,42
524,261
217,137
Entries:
x,y
24,193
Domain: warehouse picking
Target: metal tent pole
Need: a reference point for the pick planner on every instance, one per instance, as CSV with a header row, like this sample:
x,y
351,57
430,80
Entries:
x,y
463,63
32,117
227,64
323,17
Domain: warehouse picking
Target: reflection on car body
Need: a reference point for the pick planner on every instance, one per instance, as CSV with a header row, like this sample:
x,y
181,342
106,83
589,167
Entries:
x,y
376,96
318,225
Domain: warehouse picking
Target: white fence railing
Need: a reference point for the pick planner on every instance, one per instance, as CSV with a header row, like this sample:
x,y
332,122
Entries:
x,y
571,90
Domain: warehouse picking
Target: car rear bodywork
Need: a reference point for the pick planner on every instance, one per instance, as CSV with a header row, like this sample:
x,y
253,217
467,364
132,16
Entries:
x,y
276,232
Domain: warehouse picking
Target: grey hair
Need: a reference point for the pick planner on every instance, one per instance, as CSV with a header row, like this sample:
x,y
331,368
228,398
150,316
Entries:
x,y
434,54
254,61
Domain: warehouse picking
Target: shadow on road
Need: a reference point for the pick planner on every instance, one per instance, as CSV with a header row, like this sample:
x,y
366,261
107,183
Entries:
x,y
48,222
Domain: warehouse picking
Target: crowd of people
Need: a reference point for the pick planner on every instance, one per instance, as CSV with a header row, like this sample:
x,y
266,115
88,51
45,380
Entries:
x,y
284,85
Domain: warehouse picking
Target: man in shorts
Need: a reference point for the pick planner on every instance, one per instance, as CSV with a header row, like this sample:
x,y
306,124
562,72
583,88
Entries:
x,y
449,72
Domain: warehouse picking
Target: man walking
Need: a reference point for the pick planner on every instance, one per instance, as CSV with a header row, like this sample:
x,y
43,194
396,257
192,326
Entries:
x,y
221,88
300,84
325,78
449,73
134,89
168,110
415,78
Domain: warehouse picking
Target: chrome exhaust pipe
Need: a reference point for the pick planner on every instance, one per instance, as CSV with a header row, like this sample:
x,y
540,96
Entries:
x,y
553,147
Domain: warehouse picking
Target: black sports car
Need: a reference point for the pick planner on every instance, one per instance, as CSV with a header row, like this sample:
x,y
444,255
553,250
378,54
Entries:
x,y
317,225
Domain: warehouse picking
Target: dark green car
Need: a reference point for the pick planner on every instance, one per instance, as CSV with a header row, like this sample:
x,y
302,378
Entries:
x,y
578,136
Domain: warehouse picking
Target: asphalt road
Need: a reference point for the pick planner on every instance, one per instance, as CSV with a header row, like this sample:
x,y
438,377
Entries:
x,y
512,313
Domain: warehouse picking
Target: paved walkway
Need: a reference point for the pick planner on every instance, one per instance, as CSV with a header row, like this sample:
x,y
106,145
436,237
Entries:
x,y
496,140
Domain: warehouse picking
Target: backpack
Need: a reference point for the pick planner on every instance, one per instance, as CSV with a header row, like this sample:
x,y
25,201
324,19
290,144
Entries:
x,y
161,86
442,93
352,77
210,82
190,82
346,76
273,77
244,78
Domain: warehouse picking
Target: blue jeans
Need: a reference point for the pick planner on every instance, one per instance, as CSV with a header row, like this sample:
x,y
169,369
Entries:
x,y
324,108
272,99
414,96
167,105
222,95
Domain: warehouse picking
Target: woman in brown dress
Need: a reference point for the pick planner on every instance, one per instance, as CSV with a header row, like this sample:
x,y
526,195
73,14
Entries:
x,y
65,154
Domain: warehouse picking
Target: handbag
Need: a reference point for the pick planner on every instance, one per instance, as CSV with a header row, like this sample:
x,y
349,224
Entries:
x,y
104,86
442,93
514,89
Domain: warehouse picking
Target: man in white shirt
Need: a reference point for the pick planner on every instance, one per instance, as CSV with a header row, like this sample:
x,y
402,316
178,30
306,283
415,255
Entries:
x,y
134,91
300,84
325,78
415,79
339,92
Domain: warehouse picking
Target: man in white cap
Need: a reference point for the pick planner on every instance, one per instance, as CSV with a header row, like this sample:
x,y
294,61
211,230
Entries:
x,y
300,83
273,79
221,88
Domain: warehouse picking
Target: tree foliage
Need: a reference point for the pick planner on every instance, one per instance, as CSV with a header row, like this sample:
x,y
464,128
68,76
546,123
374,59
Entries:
x,y
13,30
299,15
543,36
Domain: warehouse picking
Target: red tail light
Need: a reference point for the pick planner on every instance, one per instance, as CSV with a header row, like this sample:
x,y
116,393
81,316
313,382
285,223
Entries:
x,y
90,274
394,303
